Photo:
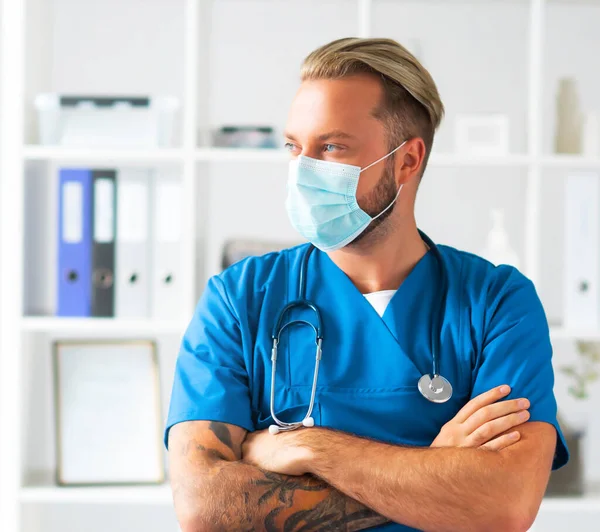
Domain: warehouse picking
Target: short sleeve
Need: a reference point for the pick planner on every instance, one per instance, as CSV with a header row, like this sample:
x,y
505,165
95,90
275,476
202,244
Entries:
x,y
211,381
517,351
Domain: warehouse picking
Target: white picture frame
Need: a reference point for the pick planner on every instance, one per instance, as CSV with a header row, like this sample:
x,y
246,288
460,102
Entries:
x,y
108,415
483,135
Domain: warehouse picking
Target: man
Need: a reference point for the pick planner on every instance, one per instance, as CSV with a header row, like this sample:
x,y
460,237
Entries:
x,y
391,303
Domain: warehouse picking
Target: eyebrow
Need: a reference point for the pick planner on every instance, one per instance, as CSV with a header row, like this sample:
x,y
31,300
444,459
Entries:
x,y
335,134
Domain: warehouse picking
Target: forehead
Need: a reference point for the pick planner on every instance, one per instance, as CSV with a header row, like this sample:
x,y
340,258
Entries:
x,y
346,104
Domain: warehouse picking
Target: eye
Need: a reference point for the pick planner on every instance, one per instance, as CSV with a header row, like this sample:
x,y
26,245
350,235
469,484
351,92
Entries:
x,y
289,146
329,148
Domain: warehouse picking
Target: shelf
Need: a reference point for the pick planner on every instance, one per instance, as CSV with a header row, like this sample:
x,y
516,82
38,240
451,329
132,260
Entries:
x,y
102,325
161,495
242,154
275,155
570,161
564,333
461,160
49,493
118,155
164,155
590,502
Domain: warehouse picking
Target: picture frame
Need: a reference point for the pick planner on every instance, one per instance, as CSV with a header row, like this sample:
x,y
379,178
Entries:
x,y
483,135
108,423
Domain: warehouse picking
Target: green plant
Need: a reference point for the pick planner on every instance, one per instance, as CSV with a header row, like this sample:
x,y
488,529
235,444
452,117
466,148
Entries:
x,y
586,371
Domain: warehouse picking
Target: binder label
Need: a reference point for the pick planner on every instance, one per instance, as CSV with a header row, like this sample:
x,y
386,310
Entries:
x,y
104,214
168,215
72,213
132,215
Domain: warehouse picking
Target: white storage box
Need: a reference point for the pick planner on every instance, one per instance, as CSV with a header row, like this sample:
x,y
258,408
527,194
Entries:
x,y
96,121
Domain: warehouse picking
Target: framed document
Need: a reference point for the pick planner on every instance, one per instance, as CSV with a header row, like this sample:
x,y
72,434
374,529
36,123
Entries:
x,y
108,418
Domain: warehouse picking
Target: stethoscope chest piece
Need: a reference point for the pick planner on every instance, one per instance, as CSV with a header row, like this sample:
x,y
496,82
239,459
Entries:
x,y
436,389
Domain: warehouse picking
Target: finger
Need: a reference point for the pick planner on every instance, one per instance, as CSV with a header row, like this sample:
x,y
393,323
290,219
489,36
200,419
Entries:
x,y
487,398
502,442
491,429
494,411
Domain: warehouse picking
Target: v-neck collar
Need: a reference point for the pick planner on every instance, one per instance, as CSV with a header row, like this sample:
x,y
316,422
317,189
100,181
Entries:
x,y
419,279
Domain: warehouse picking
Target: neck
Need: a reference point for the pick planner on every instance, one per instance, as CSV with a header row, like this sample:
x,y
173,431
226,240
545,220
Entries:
x,y
382,261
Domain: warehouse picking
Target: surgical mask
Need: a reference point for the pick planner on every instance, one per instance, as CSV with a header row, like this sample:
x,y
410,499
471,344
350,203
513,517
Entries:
x,y
321,201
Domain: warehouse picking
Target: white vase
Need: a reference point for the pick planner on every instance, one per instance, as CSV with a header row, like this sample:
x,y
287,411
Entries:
x,y
569,122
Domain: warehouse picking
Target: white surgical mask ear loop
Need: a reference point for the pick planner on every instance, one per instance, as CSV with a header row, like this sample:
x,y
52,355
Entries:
x,y
384,157
392,203
399,189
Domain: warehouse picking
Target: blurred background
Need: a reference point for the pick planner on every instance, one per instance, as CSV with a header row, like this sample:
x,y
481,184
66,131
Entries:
x,y
141,152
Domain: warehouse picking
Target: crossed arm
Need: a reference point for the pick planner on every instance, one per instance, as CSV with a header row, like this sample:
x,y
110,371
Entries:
x,y
214,490
446,488
442,489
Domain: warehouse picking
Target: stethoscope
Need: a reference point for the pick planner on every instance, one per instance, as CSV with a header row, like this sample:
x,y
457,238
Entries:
x,y
436,388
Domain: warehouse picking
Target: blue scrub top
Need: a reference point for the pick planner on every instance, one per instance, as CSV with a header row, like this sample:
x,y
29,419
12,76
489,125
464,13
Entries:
x,y
494,332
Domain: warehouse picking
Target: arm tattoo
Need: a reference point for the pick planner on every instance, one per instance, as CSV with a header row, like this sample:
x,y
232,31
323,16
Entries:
x,y
221,431
329,511
284,487
212,452
246,498
332,515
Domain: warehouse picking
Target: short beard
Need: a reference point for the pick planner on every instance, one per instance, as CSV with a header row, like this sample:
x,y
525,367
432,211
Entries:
x,y
376,201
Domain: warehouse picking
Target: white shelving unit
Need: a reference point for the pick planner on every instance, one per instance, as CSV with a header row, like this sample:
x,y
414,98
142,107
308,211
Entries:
x,y
101,325
238,59
47,493
112,156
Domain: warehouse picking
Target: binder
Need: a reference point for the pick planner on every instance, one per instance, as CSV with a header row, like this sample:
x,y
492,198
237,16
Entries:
x,y
74,243
132,272
581,251
103,244
166,254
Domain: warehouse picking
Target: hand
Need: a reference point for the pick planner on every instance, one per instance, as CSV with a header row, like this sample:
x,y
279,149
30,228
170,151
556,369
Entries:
x,y
281,453
484,421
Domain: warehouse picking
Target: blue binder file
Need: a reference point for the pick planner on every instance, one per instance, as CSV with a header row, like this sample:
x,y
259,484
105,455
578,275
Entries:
x,y
74,243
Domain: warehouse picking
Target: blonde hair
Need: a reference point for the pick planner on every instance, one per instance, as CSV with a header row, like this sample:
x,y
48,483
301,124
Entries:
x,y
411,104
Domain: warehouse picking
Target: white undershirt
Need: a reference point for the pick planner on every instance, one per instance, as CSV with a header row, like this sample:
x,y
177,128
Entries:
x,y
380,300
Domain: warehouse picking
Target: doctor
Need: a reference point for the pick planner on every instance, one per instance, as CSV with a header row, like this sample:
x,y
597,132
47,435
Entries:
x,y
419,344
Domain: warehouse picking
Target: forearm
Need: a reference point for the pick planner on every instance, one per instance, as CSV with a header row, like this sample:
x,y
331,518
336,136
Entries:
x,y
429,489
234,496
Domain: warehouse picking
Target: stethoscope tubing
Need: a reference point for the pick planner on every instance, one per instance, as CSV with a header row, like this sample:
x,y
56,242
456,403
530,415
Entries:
x,y
428,392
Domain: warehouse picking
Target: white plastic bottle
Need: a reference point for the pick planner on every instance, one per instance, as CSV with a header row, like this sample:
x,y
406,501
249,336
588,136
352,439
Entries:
x,y
498,249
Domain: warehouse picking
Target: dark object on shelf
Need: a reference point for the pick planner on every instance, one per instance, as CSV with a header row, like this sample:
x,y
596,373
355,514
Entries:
x,y
236,250
568,480
103,242
245,137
